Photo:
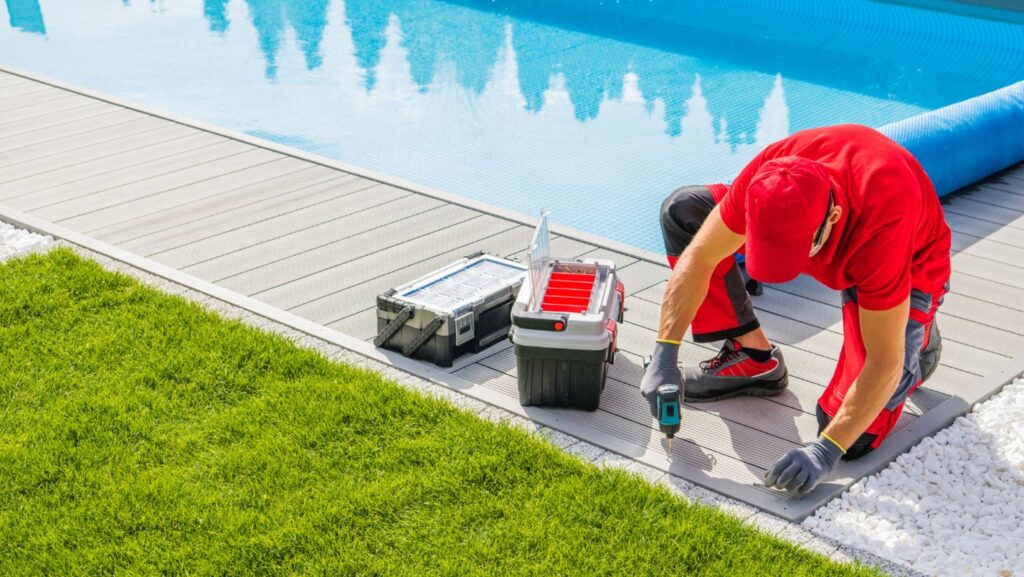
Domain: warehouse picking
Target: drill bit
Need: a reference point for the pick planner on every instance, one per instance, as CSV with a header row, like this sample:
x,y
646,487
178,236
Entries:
x,y
670,446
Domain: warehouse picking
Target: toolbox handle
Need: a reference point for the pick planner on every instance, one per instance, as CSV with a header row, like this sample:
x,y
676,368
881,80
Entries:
x,y
428,331
540,321
392,327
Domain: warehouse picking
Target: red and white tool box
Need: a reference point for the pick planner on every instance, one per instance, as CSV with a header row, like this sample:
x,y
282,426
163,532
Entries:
x,y
565,320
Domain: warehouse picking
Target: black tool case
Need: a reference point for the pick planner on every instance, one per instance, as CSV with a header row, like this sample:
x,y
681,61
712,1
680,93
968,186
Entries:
x,y
565,323
461,308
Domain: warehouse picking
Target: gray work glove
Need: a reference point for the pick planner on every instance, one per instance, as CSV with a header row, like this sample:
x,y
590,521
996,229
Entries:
x,y
803,469
662,369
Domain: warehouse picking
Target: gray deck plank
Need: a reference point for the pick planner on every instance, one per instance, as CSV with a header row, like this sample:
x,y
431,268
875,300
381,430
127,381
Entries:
x,y
330,268
28,126
192,168
726,465
348,231
349,200
984,211
88,161
23,106
311,296
52,150
250,174
231,204
1004,196
7,79
43,187
22,89
89,123
561,247
109,188
982,290
987,230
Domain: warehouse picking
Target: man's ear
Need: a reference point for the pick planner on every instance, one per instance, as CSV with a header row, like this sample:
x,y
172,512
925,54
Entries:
x,y
837,212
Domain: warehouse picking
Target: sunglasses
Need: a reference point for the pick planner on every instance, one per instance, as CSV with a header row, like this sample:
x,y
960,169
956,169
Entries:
x,y
821,229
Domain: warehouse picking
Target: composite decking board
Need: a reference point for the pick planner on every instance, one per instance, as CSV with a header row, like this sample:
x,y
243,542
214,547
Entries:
x,y
79,162
7,79
94,173
340,249
975,228
91,123
228,204
982,290
561,247
185,169
53,151
28,105
270,199
18,90
249,178
639,276
621,260
984,211
997,195
725,465
349,237
381,252
346,216
169,171
27,127
1007,256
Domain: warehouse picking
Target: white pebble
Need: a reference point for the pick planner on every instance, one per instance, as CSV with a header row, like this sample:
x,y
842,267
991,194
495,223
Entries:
x,y
952,505
15,241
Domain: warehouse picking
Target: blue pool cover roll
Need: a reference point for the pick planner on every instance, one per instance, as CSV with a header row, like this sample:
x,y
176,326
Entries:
x,y
965,142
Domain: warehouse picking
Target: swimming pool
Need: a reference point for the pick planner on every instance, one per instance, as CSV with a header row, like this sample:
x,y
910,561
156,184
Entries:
x,y
593,110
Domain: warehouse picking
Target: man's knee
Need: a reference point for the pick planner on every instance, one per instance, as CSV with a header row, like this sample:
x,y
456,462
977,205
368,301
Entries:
x,y
685,210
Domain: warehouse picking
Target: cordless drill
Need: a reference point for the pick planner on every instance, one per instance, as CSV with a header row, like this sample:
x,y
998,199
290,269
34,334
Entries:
x,y
668,412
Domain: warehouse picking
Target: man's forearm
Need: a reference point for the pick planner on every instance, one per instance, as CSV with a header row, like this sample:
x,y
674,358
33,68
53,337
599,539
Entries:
x,y
864,401
687,287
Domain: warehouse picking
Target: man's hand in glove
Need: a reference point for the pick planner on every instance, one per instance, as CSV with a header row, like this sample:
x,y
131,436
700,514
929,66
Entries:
x,y
803,469
663,369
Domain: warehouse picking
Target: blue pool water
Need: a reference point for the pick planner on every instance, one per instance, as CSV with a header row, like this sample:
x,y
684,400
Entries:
x,y
593,109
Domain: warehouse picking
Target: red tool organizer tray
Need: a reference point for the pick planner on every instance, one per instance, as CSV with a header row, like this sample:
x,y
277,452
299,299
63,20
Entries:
x,y
568,292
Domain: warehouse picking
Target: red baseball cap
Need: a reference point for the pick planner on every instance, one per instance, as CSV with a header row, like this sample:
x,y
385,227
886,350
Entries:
x,y
785,204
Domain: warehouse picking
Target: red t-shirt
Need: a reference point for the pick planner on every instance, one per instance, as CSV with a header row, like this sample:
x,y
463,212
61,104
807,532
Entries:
x,y
892,234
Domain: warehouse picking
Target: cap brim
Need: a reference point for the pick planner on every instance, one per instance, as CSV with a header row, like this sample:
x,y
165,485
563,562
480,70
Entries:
x,y
776,264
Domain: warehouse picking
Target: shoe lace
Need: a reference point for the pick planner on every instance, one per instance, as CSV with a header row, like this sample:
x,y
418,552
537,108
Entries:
x,y
725,355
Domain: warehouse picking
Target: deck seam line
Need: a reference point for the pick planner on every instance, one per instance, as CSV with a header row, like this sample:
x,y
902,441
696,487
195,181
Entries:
x,y
35,158
284,258
269,218
63,136
220,212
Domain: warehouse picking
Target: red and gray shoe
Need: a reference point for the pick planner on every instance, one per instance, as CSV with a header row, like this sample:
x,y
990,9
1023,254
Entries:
x,y
733,373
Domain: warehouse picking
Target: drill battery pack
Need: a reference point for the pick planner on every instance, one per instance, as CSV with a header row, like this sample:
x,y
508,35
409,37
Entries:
x,y
565,323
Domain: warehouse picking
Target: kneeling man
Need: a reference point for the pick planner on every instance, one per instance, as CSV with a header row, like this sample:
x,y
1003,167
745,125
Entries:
x,y
852,209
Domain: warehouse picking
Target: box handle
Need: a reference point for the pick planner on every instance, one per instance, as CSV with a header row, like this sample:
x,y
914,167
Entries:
x,y
392,327
428,331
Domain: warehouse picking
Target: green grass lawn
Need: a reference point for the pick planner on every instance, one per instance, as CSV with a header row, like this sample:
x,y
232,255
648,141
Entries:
x,y
142,435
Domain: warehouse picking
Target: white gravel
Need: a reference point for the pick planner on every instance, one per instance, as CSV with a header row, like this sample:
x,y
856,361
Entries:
x,y
953,505
15,241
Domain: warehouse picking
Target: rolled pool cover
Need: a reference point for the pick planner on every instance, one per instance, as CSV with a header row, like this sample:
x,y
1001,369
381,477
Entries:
x,y
965,142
